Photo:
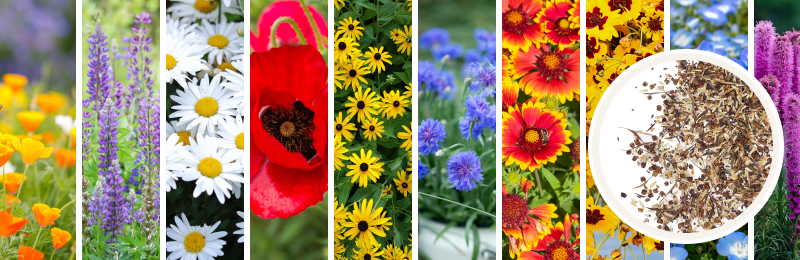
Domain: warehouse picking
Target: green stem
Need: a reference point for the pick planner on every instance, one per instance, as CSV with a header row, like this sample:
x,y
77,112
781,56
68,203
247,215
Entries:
x,y
24,176
475,209
602,241
35,242
313,24
291,22
51,255
644,256
539,183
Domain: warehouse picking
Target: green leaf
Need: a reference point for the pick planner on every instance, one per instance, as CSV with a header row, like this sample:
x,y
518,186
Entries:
x,y
449,225
476,246
470,223
554,183
402,76
387,11
366,5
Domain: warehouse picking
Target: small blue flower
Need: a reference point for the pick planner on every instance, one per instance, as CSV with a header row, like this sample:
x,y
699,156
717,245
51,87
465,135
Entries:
x,y
486,40
433,38
743,57
678,253
686,2
422,170
442,83
725,6
713,15
452,50
464,170
734,246
677,245
683,39
708,46
740,40
431,133
717,36
482,76
464,125
693,23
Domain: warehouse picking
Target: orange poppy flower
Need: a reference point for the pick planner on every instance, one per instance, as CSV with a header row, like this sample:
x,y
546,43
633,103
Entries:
x,y
72,133
5,153
50,102
30,120
11,200
15,81
44,214
32,150
12,181
28,253
60,237
7,140
65,158
10,224
48,137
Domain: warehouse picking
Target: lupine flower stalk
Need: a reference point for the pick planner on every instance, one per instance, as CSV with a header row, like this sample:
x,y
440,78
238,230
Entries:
x,y
96,85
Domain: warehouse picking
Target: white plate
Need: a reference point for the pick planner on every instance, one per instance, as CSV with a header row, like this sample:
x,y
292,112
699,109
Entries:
x,y
614,171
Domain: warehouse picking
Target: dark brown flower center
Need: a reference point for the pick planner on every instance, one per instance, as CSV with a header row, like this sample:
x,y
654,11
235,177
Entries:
x,y
593,216
551,65
372,128
352,73
405,185
377,56
350,27
655,24
360,105
363,167
396,103
531,139
339,127
516,20
595,19
342,46
363,226
293,126
515,209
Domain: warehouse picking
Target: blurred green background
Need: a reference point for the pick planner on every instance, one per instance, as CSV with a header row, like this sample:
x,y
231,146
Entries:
x,y
301,237
460,21
782,13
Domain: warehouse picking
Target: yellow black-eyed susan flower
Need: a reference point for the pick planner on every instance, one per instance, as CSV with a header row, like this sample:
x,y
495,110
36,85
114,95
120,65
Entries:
x,y
372,127
344,48
342,128
405,136
363,221
406,43
397,35
349,28
375,59
352,73
364,167
403,184
339,154
393,104
362,103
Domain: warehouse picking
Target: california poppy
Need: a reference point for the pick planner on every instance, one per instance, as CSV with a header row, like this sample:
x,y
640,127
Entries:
x,y
289,125
44,214
10,224
32,150
5,154
15,81
30,120
50,102
12,181
60,237
286,34
65,158
28,253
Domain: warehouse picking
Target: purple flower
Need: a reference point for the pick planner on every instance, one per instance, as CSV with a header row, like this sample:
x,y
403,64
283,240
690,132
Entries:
x,y
431,133
453,51
773,87
422,171
480,115
782,65
764,39
483,77
464,170
433,38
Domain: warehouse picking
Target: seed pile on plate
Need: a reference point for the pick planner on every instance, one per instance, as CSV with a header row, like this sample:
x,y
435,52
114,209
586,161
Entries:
x,y
712,150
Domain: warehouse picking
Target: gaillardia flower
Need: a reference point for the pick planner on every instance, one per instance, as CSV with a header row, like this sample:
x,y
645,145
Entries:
x,y
289,127
520,31
533,136
557,72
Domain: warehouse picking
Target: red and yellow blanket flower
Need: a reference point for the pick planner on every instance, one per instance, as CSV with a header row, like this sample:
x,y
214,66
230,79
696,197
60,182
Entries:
x,y
533,135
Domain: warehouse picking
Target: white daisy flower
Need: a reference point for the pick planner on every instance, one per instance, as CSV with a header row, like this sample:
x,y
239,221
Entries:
x,y
65,122
240,225
175,127
201,9
194,242
236,83
170,151
182,58
182,28
211,168
231,135
204,105
221,39
237,187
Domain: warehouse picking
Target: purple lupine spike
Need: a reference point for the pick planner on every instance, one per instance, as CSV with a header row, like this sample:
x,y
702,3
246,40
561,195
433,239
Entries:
x,y
764,39
112,206
115,207
96,85
95,201
138,70
782,65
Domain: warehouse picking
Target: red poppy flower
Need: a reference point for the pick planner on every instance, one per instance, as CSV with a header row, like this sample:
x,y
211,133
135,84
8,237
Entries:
x,y
533,135
519,28
285,33
556,72
288,127
563,29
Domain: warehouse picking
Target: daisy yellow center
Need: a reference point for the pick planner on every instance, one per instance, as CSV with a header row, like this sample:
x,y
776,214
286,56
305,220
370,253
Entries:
x,y
171,62
532,136
552,61
183,137
514,17
206,107
194,242
224,66
205,6
209,167
288,129
240,141
218,41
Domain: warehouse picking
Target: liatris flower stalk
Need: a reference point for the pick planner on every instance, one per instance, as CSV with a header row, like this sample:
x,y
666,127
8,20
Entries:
x,y
782,66
773,87
764,39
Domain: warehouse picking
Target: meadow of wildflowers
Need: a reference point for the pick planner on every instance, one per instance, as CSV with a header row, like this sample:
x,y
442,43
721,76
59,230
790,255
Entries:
x,y
775,66
541,148
205,142
457,136
372,110
121,139
718,26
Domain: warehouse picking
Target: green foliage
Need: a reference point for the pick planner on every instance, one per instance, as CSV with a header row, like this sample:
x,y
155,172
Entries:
x,y
773,227
782,13
708,250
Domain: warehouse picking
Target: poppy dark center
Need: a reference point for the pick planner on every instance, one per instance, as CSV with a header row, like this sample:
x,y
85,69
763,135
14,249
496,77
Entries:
x,y
396,103
377,56
405,185
351,27
339,127
352,73
372,128
360,105
363,167
293,126
363,226
342,46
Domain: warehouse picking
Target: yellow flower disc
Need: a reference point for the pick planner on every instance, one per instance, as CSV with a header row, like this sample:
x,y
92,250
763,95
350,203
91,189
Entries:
x,y
227,66
209,167
206,107
194,242
205,6
240,141
171,62
183,137
218,41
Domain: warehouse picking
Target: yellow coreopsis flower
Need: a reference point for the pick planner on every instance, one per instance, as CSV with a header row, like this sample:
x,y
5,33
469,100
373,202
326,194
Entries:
x,y
599,218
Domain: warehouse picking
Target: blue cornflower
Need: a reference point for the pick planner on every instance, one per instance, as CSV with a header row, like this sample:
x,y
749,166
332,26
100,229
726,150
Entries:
x,y
480,112
464,127
483,76
452,50
470,56
431,133
486,40
427,70
682,39
442,83
678,253
713,15
422,171
464,170
734,246
433,38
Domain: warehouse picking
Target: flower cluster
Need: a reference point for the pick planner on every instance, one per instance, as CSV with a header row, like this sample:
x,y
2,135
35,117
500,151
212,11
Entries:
x,y
372,110
719,26
732,247
121,144
617,37
775,66
205,145
40,144
457,134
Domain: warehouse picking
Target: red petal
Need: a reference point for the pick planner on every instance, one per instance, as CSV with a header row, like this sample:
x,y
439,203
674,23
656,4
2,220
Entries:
x,y
279,192
321,123
257,158
299,70
286,34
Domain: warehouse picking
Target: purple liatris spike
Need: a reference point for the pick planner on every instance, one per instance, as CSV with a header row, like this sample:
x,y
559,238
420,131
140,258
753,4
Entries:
x,y
764,39
782,65
773,87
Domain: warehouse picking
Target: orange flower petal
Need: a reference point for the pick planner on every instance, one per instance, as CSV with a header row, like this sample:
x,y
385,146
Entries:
x,y
10,224
30,120
12,181
44,214
60,237
28,253
15,81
